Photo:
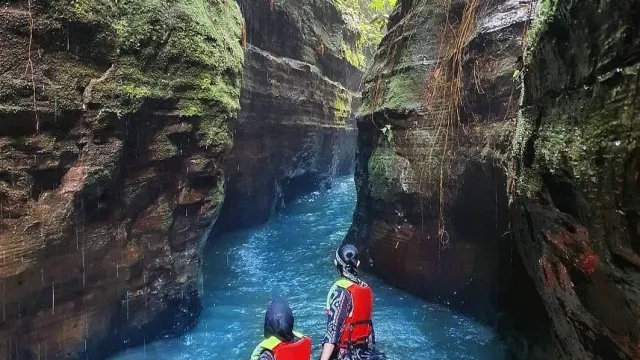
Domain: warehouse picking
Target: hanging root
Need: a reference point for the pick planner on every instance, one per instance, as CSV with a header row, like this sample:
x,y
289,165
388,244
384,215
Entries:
x,y
243,39
443,99
29,68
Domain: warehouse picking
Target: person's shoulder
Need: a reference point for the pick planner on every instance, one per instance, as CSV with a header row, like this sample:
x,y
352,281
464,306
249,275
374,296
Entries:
x,y
337,293
266,355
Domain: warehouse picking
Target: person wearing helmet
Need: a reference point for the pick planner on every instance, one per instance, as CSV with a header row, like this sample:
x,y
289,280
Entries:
x,y
280,341
349,309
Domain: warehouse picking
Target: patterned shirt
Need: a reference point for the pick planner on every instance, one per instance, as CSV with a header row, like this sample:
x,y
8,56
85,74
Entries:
x,y
340,304
267,355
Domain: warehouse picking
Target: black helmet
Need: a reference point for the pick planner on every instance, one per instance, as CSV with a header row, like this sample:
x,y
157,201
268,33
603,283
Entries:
x,y
278,321
347,258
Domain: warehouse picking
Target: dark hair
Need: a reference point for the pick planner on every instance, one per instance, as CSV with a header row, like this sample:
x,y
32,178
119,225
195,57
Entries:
x,y
347,259
279,321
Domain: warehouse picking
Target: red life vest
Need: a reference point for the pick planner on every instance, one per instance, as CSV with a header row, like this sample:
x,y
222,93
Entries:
x,y
358,325
298,350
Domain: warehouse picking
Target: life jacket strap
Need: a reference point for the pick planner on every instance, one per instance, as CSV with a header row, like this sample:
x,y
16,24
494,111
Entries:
x,y
361,340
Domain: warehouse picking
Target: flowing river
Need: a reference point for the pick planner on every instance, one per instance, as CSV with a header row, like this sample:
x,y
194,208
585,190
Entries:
x,y
291,257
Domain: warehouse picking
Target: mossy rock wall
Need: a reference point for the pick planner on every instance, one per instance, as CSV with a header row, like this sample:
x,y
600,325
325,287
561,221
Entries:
x,y
295,131
112,142
575,194
431,169
311,31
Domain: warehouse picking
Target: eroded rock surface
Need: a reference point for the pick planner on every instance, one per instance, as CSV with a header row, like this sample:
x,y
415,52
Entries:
x,y
432,208
576,204
295,131
439,108
114,123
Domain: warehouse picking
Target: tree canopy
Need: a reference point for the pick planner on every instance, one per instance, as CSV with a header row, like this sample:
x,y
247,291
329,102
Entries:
x,y
370,17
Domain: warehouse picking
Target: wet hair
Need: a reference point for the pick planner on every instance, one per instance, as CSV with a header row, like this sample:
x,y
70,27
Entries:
x,y
347,261
279,321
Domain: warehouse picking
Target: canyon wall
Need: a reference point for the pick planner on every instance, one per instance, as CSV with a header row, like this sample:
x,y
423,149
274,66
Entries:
x,y
114,125
435,127
295,131
497,168
576,200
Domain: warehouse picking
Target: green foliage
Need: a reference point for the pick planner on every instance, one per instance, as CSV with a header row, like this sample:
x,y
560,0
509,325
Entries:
x,y
382,6
388,133
516,74
342,106
184,50
370,17
354,56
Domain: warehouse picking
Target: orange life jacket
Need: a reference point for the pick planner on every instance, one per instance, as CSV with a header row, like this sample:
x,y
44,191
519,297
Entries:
x,y
298,350
358,326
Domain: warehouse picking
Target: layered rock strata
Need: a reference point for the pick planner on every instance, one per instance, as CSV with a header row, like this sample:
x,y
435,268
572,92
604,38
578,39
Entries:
x,y
114,124
575,195
439,107
295,131
432,208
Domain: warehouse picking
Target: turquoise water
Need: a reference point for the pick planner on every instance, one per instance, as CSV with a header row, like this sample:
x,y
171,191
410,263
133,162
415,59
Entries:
x,y
291,256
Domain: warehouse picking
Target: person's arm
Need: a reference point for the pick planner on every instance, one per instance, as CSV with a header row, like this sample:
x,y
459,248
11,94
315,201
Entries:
x,y
266,355
373,335
339,307
327,351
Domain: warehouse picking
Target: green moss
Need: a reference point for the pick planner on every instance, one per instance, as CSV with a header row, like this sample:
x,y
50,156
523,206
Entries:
x,y
385,172
193,47
215,133
216,195
354,56
191,108
135,92
184,50
162,148
545,11
403,90
584,133
342,106
85,11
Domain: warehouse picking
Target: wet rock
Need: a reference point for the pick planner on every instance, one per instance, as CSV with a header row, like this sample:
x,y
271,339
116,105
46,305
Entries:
x,y
111,152
575,194
438,113
295,131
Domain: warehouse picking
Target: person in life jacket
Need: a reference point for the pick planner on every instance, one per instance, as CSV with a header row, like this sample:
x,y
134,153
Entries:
x,y
349,309
280,341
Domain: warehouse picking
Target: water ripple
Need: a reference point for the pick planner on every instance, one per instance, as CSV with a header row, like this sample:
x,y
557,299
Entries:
x,y
291,257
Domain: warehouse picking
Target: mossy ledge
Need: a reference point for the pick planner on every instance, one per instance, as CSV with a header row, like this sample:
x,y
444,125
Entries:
x,y
183,55
111,176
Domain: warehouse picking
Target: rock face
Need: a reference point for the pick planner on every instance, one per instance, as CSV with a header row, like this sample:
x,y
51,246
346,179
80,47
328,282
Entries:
x,y
295,131
439,108
111,144
433,197
576,200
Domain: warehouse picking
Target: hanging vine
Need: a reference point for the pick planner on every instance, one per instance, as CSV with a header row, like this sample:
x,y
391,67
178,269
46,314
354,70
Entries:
x,y
29,68
443,96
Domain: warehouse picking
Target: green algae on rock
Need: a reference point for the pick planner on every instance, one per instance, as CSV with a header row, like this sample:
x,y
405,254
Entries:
x,y
296,130
432,204
105,210
575,200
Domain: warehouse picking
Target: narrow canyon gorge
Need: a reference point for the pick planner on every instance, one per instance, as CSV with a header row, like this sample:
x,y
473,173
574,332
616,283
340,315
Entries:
x,y
295,130
494,146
